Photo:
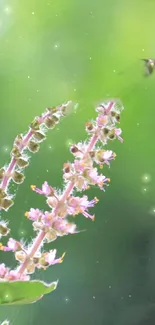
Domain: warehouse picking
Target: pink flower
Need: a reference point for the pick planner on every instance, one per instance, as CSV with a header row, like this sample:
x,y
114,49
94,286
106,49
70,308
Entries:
x,y
77,205
108,155
50,257
3,270
79,165
63,227
46,189
96,179
13,245
33,214
47,218
117,133
13,276
102,120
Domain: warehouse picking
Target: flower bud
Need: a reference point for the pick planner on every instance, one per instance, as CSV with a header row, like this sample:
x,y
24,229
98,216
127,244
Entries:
x,y
50,123
66,168
2,171
51,235
42,261
113,113
106,131
64,109
55,118
117,117
39,136
20,256
38,225
17,177
74,149
111,134
18,140
35,125
4,230
92,153
89,126
6,203
22,163
35,260
33,146
15,152
30,268
2,193
52,109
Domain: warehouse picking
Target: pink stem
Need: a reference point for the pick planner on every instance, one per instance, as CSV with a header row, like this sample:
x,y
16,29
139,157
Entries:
x,y
111,104
37,243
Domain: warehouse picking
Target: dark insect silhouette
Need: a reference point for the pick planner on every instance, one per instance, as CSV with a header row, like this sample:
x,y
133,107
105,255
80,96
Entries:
x,y
149,66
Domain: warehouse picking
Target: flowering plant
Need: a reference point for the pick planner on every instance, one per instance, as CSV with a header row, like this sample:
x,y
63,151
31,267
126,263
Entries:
x,y
16,286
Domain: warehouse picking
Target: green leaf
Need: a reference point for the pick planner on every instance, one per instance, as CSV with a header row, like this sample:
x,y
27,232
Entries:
x,y
24,292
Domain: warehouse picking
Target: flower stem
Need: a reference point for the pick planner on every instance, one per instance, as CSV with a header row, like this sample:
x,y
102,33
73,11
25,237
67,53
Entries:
x,y
36,245
12,165
38,240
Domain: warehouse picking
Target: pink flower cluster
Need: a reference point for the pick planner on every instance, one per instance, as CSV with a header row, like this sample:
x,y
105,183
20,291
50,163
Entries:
x,y
78,176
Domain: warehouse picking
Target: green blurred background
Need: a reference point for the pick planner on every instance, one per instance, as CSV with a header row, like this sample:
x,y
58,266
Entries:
x,y
86,51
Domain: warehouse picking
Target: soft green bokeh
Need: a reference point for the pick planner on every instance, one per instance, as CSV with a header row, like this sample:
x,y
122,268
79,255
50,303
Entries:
x,y
86,51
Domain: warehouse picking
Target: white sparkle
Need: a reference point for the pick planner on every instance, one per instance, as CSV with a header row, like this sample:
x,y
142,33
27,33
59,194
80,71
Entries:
x,y
146,178
137,124
142,50
47,170
152,211
56,46
50,147
90,58
22,232
129,296
7,10
109,287
114,71
67,300
28,77
94,297
69,142
74,89
32,12
5,149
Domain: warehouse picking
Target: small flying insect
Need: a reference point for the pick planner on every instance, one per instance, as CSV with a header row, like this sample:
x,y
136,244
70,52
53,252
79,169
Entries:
x,y
149,66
